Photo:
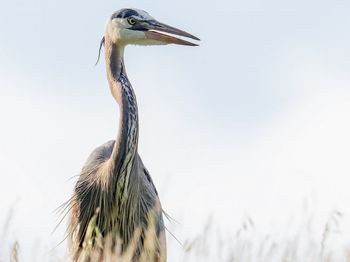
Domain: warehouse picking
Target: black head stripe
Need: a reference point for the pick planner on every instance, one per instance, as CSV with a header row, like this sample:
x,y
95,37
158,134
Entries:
x,y
124,13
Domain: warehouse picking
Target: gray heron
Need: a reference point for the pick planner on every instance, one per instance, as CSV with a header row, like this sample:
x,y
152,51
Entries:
x,y
114,193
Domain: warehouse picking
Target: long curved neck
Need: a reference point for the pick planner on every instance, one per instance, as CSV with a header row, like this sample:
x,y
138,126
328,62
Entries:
x,y
125,147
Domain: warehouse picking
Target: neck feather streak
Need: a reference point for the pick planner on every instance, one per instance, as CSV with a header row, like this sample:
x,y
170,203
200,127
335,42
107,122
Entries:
x,y
125,147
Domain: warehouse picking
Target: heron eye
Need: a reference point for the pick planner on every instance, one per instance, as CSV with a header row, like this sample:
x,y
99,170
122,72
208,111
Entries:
x,y
131,21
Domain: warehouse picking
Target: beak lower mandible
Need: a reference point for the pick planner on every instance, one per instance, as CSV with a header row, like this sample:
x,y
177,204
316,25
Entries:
x,y
167,34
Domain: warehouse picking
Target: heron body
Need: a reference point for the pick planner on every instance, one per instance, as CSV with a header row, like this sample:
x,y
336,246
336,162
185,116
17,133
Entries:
x,y
114,197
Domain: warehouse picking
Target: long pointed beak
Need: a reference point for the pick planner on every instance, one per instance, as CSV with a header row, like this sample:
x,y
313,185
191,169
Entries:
x,y
167,34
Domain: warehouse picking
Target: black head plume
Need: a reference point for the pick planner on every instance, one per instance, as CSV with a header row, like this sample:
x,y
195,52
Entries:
x,y
102,43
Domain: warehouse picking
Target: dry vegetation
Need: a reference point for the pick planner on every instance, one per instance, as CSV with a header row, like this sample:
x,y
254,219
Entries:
x,y
245,245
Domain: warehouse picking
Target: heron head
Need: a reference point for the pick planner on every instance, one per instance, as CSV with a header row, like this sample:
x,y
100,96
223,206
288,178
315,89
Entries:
x,y
134,26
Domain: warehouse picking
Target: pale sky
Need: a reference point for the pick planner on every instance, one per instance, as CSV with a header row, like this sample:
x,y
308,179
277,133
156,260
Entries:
x,y
254,122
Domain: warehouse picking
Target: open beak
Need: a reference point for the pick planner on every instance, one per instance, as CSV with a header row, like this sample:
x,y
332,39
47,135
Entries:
x,y
167,34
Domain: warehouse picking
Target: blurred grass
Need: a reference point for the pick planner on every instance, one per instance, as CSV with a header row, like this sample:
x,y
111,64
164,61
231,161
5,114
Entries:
x,y
247,244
